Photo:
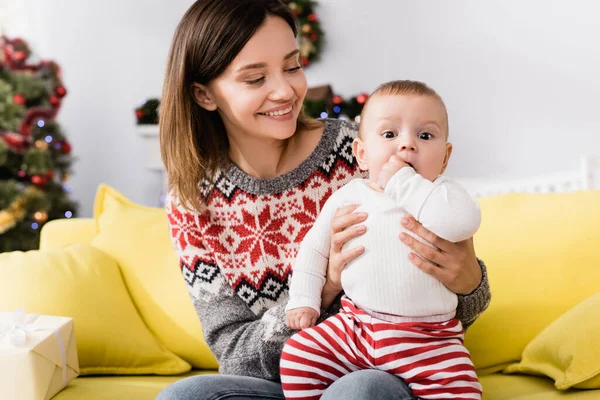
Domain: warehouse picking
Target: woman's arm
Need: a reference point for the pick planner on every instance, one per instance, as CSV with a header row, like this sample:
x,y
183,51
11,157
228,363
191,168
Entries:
x,y
243,343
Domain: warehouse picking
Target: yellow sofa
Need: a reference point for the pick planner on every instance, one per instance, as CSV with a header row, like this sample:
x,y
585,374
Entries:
x,y
137,331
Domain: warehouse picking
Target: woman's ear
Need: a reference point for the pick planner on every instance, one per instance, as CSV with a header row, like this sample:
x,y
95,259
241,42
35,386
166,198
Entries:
x,y
446,157
203,97
359,152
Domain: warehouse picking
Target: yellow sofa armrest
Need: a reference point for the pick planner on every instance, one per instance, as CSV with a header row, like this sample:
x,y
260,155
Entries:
x,y
61,233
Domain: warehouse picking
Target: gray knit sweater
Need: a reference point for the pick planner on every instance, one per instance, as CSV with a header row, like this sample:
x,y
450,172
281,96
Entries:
x,y
237,256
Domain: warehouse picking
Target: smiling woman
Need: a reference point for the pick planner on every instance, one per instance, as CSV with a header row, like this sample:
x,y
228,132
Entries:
x,y
248,175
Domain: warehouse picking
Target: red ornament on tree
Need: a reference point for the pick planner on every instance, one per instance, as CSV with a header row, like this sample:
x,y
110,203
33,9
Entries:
x,y
337,100
50,175
19,55
139,114
21,174
66,147
362,98
39,180
14,141
61,91
19,99
314,36
312,17
305,62
54,100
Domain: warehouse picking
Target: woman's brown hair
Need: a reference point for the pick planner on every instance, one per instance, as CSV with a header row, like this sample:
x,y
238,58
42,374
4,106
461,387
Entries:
x,y
210,35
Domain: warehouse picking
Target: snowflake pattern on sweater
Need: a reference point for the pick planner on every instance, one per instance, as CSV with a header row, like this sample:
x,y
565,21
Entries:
x,y
252,228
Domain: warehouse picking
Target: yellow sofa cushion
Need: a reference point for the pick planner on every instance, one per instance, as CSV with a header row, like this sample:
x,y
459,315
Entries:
x,y
543,258
63,232
568,350
138,239
84,283
524,387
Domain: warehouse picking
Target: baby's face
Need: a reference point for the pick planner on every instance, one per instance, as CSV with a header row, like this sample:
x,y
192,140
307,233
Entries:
x,y
411,126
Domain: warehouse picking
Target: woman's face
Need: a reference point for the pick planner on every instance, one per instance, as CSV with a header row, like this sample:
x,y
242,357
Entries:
x,y
260,94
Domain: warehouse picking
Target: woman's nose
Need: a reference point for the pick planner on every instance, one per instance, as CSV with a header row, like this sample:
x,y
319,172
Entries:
x,y
282,90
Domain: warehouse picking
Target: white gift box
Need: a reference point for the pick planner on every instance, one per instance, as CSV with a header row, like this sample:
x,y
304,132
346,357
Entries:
x,y
38,355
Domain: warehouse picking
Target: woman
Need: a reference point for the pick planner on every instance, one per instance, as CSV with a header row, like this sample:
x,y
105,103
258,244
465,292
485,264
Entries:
x,y
248,175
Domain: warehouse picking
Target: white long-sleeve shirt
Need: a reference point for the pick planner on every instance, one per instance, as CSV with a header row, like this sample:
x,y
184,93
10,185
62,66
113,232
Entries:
x,y
382,281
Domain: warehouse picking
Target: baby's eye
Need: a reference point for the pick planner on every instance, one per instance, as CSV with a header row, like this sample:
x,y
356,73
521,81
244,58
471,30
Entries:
x,y
389,134
425,136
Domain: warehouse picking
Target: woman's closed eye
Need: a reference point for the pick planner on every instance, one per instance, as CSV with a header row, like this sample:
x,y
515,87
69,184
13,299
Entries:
x,y
255,81
294,69
425,136
262,78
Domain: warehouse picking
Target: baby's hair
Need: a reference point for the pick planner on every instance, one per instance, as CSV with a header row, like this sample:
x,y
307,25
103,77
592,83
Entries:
x,y
408,88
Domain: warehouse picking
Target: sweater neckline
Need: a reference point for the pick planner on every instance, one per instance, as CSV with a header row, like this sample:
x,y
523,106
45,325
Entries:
x,y
292,178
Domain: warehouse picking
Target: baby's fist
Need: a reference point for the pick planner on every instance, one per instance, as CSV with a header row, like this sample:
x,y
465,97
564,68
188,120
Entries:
x,y
301,318
389,169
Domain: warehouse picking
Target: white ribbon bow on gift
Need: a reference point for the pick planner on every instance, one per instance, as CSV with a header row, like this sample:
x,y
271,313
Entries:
x,y
15,333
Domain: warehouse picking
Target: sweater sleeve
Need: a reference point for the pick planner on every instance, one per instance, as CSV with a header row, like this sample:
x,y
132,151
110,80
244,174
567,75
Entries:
x,y
310,266
243,343
444,207
471,305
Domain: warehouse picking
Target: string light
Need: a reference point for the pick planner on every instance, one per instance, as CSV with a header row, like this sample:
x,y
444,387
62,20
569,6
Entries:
x,y
68,214
324,114
48,138
34,225
163,198
337,109
41,123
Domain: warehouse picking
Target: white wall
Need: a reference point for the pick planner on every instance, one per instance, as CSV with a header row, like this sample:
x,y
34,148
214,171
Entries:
x,y
520,78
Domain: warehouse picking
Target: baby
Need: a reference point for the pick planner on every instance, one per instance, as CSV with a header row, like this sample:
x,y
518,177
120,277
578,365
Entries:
x,y
394,317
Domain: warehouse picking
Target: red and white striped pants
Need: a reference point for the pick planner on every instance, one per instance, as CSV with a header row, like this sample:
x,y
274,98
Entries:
x,y
429,357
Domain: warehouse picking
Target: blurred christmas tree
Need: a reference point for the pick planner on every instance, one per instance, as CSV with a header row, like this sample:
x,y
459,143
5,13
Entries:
x,y
35,156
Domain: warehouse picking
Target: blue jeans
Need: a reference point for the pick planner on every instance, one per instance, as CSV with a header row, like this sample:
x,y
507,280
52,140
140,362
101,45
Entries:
x,y
365,384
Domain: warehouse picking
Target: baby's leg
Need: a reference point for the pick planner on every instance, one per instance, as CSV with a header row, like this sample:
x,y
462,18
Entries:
x,y
432,360
314,358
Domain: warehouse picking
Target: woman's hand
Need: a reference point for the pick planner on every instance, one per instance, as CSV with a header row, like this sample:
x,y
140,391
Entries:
x,y
454,264
343,228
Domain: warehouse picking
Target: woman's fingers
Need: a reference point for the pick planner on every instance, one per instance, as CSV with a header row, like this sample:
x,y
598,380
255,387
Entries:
x,y
429,268
340,238
351,254
345,217
425,251
415,226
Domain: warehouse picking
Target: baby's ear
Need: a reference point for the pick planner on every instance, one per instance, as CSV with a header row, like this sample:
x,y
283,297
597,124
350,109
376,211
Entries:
x,y
358,149
446,157
203,97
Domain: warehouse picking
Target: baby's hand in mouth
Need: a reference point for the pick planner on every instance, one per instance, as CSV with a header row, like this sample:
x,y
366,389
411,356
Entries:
x,y
390,168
